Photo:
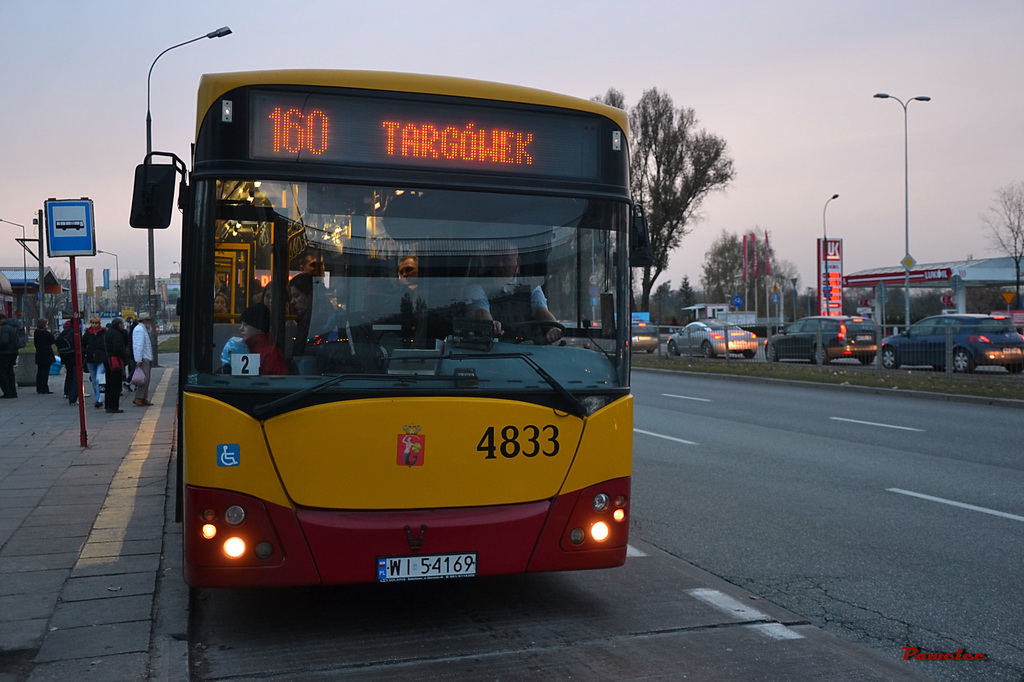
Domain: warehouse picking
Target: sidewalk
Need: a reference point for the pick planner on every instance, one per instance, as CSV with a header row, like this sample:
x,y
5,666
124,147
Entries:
x,y
84,551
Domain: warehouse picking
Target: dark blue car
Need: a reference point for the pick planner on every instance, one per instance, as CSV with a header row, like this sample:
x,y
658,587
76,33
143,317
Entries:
x,y
967,340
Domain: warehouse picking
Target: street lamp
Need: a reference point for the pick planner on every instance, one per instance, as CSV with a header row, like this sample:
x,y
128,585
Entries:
x,y
908,261
824,229
219,33
822,258
24,265
117,273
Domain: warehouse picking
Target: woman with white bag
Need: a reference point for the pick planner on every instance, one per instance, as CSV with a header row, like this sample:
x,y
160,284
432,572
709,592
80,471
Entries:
x,y
93,355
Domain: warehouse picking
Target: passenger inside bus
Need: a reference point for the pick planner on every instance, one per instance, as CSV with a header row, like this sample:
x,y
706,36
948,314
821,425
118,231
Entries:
x,y
255,332
312,263
514,309
220,303
409,271
300,303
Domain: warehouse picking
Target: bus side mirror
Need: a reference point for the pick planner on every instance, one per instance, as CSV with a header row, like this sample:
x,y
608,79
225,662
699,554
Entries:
x,y
153,196
640,253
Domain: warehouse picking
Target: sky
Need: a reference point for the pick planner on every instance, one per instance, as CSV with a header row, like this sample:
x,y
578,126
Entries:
x,y
788,84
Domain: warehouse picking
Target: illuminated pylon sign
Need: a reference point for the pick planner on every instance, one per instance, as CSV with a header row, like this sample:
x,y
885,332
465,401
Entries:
x,y
830,276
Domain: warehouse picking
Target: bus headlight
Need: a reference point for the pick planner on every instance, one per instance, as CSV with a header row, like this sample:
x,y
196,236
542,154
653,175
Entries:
x,y
599,531
234,547
601,502
234,515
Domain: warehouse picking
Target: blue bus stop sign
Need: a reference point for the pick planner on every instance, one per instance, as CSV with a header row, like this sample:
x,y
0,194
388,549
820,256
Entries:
x,y
737,301
70,228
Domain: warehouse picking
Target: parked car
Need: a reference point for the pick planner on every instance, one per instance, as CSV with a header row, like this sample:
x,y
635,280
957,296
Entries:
x,y
712,338
645,337
976,340
822,339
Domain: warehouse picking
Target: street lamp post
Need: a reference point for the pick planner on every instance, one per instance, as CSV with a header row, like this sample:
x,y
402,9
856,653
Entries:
x,y
822,309
907,259
824,228
117,274
219,33
24,265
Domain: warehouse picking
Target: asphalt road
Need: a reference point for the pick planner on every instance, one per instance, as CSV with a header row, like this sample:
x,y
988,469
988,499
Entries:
x,y
889,521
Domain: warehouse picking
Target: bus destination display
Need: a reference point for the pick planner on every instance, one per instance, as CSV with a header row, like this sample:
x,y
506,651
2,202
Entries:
x,y
353,130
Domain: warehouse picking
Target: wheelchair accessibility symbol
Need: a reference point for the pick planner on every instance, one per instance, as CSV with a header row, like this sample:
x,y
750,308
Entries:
x,y
229,455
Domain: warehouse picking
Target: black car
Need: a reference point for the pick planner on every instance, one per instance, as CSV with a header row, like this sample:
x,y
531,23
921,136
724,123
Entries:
x,y
822,339
973,340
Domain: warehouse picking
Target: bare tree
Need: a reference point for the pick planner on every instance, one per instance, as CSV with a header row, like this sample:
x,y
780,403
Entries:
x,y
723,272
674,166
1004,223
135,292
723,268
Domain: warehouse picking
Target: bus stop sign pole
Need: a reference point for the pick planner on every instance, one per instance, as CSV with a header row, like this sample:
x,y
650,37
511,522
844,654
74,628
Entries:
x,y
70,231
76,328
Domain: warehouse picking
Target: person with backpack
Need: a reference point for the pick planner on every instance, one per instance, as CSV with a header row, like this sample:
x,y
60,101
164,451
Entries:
x,y
13,337
66,349
44,341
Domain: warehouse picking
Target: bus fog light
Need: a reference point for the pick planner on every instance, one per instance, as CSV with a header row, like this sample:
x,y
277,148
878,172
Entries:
x,y
576,536
264,550
234,515
599,531
234,547
601,501
209,531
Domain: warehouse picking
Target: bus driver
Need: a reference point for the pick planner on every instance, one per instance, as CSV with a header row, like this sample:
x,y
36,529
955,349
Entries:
x,y
510,304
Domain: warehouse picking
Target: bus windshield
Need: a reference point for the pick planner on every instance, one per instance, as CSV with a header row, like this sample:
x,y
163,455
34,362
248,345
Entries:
x,y
314,280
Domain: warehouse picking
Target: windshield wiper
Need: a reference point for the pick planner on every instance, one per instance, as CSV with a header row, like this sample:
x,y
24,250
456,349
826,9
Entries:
x,y
265,409
576,407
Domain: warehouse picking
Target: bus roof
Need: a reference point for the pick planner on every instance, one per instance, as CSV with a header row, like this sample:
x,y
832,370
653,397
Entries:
x,y
213,85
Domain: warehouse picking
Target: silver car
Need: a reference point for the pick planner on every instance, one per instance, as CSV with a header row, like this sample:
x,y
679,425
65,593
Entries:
x,y
711,338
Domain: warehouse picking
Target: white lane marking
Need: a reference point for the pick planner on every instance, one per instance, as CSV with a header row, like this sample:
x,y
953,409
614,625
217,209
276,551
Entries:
x,y
885,426
734,607
634,552
775,631
727,604
954,503
658,435
686,397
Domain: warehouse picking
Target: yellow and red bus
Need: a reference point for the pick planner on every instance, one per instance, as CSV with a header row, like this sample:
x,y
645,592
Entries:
x,y
405,352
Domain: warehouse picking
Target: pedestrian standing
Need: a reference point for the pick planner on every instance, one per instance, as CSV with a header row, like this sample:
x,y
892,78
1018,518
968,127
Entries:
x,y
142,351
92,356
44,341
12,338
66,348
115,358
130,323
